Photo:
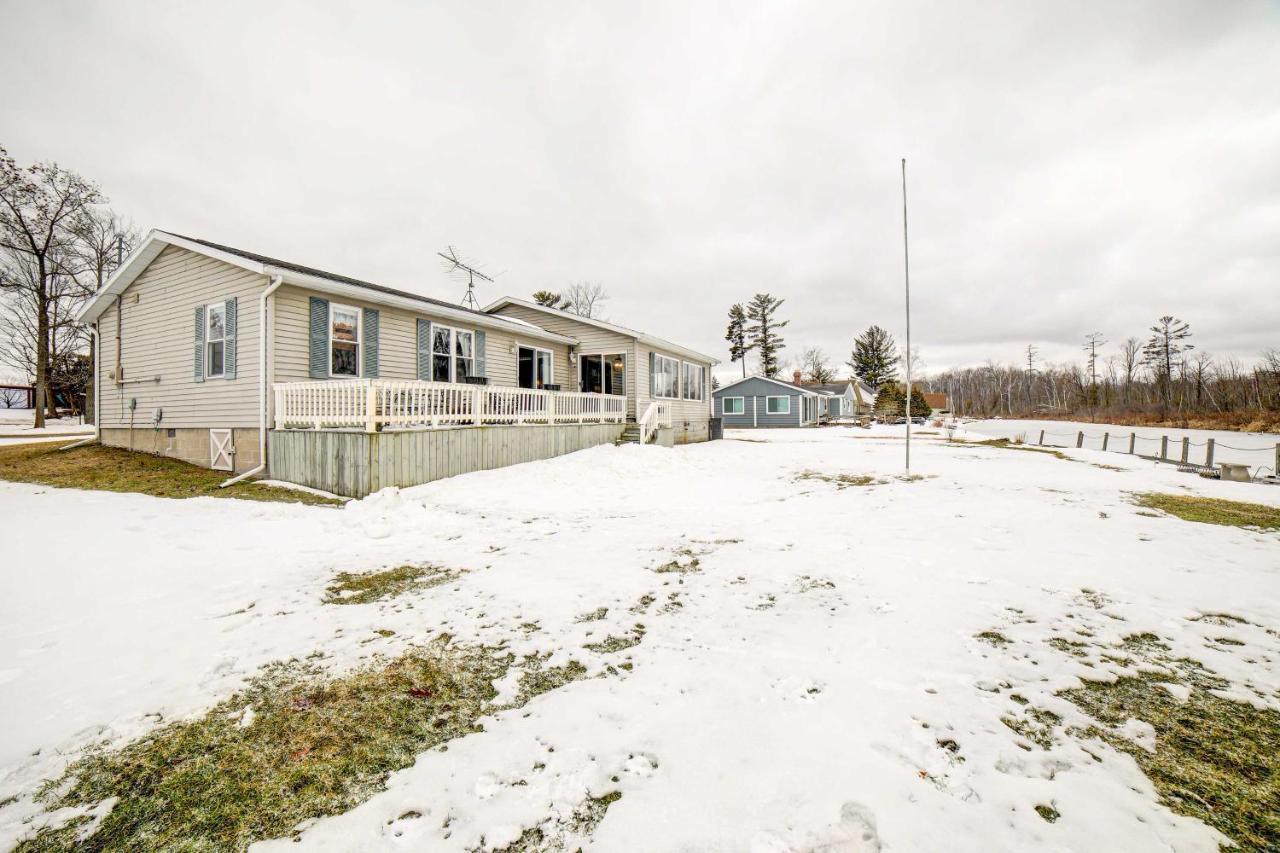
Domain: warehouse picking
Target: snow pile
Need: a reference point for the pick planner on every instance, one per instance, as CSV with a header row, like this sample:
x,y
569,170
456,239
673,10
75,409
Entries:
x,y
808,671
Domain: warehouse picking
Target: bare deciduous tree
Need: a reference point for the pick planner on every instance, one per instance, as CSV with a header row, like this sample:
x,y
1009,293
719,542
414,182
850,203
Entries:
x,y
814,367
43,214
585,298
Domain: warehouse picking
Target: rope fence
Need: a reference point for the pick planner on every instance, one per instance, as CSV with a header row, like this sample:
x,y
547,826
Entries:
x,y
1177,450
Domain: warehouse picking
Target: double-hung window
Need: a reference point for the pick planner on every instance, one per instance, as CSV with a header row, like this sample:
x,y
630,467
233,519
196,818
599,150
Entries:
x,y
732,405
666,377
778,405
344,340
453,354
693,375
215,340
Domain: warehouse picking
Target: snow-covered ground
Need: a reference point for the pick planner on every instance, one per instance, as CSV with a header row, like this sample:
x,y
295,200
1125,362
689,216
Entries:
x,y
790,693
1255,449
21,422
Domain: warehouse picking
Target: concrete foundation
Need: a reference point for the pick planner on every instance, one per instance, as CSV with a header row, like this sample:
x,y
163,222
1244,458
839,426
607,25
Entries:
x,y
190,444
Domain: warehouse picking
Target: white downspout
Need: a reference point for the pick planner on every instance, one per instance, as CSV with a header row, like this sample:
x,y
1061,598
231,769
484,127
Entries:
x,y
276,281
97,392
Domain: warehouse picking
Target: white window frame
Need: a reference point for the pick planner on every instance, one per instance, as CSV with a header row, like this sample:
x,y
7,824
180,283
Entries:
x,y
333,307
551,362
602,355
742,408
684,376
786,397
657,356
453,349
209,341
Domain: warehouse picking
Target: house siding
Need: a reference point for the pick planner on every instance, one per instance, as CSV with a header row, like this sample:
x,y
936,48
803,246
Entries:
x,y
397,341
591,339
754,392
689,418
157,313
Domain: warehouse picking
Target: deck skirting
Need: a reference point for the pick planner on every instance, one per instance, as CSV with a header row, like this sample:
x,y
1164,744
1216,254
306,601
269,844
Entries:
x,y
356,464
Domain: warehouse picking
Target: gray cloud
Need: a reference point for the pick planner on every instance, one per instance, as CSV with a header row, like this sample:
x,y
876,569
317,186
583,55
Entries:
x,y
1071,168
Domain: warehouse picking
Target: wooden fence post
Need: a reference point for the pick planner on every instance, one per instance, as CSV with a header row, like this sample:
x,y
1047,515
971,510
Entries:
x,y
1208,454
1186,448
1106,438
1080,439
371,406
1164,447
1133,439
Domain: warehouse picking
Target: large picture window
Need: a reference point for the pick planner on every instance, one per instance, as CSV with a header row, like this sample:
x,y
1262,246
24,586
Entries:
x,y
344,340
215,340
666,377
693,375
778,405
732,405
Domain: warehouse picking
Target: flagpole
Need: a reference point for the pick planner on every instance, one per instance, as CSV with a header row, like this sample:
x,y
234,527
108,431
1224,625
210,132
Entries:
x,y
906,271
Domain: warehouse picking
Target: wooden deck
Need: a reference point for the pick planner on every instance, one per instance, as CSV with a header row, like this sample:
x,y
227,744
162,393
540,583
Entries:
x,y
356,464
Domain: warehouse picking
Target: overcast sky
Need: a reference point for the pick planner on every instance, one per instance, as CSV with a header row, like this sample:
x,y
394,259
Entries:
x,y
1072,167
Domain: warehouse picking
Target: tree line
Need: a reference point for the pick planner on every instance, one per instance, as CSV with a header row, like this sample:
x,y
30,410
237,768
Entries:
x,y
59,242
1160,377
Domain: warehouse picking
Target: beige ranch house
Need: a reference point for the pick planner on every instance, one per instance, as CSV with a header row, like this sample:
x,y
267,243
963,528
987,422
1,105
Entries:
x,y
265,368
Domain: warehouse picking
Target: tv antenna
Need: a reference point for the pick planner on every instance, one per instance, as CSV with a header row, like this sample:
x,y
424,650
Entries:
x,y
456,265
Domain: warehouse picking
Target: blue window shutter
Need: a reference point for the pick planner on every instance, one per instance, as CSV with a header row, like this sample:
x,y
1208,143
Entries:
x,y
319,355
199,342
424,349
370,343
653,385
480,358
229,348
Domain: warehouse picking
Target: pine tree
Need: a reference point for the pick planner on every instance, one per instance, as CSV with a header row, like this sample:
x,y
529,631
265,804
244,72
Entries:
x,y
737,337
548,299
875,358
892,402
1164,348
762,334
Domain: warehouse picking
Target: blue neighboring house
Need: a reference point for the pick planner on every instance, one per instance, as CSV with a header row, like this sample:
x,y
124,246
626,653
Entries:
x,y
761,402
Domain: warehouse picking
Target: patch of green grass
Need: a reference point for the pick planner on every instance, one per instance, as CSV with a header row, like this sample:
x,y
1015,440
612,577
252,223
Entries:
x,y
1215,759
595,615
112,469
1036,725
1212,510
1049,813
538,679
612,643
367,587
317,745
1075,648
1146,644
840,481
685,562
994,638
1006,444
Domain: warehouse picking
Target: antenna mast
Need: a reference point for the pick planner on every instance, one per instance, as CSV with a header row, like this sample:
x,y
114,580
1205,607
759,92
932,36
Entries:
x,y
456,265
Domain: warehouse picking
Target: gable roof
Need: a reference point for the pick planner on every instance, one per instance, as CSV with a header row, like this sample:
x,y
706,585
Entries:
x,y
791,386
830,387
292,273
652,341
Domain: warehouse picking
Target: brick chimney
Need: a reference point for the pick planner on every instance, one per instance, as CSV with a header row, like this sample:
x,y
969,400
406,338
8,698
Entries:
x,y
796,377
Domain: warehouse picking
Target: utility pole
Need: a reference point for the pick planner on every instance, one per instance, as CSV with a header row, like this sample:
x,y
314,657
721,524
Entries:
x,y
906,273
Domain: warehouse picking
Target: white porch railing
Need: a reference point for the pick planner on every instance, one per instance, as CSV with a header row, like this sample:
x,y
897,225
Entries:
x,y
372,404
658,414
